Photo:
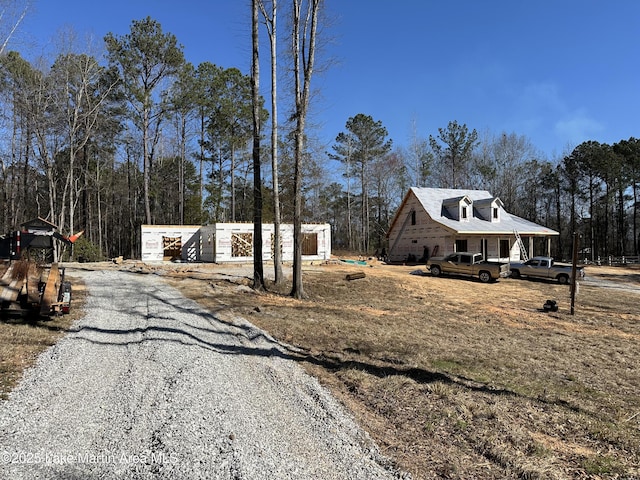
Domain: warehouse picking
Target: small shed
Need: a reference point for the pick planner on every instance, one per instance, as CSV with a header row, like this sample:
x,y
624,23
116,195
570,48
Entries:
x,y
229,242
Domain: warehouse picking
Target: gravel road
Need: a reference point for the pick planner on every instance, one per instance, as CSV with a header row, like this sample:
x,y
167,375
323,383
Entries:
x,y
149,385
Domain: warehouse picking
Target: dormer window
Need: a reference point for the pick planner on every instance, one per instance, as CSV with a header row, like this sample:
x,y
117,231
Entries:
x,y
458,208
489,209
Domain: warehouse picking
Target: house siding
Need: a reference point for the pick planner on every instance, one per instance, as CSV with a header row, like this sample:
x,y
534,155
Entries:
x,y
438,234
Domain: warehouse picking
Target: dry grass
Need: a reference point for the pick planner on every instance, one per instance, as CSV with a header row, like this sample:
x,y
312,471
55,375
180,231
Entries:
x,y
458,379
453,378
23,339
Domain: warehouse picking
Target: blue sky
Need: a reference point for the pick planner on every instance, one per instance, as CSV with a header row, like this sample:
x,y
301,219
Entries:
x,y
559,72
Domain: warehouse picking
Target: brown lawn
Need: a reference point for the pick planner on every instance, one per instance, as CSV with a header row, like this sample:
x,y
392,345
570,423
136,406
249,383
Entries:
x,y
453,378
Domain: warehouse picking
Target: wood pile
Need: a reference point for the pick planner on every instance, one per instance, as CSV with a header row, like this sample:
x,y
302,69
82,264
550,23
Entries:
x,y
21,281
242,244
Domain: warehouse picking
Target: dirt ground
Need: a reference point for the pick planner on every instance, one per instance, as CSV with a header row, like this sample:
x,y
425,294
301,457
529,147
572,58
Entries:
x,y
458,379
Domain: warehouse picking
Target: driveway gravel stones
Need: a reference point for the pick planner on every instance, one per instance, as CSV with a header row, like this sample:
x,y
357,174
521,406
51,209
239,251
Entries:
x,y
150,385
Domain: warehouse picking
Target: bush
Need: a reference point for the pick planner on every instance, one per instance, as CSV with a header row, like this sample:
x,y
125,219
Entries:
x,y
85,251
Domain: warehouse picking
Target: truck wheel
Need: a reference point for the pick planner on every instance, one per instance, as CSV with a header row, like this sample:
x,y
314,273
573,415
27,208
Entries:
x,y
485,277
563,279
515,273
435,271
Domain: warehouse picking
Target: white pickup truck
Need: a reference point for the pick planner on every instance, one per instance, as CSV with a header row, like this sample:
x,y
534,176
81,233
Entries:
x,y
465,263
545,267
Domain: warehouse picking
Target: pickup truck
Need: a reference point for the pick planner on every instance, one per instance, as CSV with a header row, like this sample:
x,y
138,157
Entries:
x,y
545,267
465,263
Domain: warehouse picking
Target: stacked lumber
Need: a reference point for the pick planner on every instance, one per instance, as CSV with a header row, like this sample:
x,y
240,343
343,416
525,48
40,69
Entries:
x,y
13,281
23,278
242,244
50,294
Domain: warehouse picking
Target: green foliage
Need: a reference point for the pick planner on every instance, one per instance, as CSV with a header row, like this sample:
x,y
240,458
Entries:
x,y
85,250
453,151
364,151
144,57
148,131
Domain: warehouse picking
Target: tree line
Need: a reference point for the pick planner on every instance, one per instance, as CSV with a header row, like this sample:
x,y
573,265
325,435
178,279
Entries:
x,y
143,136
592,190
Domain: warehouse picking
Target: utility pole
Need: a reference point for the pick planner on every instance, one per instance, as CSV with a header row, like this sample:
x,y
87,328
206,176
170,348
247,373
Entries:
x,y
574,262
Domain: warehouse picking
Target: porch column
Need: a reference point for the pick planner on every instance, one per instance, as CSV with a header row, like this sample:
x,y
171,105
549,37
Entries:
x,y
531,247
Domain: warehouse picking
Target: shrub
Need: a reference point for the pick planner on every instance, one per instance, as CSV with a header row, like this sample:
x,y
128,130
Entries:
x,y
85,251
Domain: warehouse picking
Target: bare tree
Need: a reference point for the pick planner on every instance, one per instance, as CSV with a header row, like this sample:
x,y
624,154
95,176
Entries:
x,y
258,273
303,51
271,24
11,15
81,91
420,158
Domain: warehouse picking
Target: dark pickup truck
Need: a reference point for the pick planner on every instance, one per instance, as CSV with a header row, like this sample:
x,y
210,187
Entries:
x,y
471,264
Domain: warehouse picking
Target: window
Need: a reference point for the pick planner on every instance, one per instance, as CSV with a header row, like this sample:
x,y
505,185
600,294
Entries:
x,y
505,251
465,259
461,245
464,213
495,213
413,217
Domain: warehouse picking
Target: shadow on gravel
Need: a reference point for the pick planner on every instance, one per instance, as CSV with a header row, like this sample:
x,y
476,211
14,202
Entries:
x,y
187,339
246,332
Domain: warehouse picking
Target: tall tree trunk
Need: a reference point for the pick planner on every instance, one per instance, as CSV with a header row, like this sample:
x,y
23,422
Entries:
x,y
621,247
233,183
351,243
147,165
558,196
304,53
130,195
272,30
183,159
202,138
636,239
258,273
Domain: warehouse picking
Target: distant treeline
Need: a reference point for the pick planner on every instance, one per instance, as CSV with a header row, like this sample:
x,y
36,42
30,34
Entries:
x,y
142,136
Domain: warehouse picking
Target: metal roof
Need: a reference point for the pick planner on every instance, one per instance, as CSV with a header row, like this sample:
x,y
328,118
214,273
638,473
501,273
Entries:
x,y
433,199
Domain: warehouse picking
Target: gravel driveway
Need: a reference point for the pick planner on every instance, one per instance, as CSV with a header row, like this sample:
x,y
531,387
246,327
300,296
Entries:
x,y
149,385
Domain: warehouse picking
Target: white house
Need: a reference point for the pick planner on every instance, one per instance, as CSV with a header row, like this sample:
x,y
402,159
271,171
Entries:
x,y
229,242
438,221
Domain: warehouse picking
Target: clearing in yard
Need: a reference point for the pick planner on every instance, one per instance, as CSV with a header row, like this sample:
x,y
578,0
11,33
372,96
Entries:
x,y
454,378
459,379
